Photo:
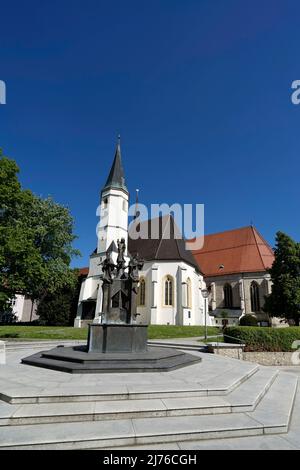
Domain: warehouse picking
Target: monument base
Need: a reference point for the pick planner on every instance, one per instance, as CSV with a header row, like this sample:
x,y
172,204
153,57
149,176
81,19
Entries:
x,y
117,337
112,347
78,360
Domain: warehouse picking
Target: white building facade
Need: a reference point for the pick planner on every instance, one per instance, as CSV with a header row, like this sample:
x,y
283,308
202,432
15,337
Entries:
x,y
170,294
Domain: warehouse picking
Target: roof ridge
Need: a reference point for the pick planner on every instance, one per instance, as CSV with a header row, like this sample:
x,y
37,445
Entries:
x,y
256,244
162,233
255,233
176,239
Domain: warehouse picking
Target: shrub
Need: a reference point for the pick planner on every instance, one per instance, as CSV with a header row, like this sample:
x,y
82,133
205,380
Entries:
x,y
248,320
263,339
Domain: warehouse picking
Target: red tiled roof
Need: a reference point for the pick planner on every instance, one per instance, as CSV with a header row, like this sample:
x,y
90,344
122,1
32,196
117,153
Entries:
x,y
83,271
238,251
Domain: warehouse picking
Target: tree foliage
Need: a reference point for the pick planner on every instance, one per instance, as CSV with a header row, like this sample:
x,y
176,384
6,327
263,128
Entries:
x,y
60,308
284,300
36,237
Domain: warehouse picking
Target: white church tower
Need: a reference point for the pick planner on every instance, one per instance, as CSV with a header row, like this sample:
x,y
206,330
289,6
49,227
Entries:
x,y
113,207
113,226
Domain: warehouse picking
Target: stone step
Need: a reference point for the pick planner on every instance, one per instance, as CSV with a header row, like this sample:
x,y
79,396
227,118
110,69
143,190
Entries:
x,y
111,410
225,382
271,416
245,398
276,408
222,385
103,434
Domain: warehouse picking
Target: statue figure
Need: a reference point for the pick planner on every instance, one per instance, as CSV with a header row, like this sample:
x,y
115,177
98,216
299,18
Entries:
x,y
120,258
108,268
134,266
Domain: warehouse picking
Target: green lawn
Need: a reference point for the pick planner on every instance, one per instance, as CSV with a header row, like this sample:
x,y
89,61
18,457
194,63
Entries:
x,y
28,333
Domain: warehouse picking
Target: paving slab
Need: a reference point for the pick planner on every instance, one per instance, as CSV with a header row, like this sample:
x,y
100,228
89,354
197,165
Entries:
x,y
55,412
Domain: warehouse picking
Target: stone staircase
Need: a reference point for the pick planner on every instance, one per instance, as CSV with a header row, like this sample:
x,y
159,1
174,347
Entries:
x,y
245,400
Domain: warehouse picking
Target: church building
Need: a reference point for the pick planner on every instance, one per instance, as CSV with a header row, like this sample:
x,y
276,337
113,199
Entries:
x,y
171,283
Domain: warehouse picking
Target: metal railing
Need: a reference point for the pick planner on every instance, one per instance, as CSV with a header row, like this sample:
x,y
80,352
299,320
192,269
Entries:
x,y
223,336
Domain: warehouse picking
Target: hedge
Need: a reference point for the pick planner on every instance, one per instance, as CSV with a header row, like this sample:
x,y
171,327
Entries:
x,y
248,320
263,338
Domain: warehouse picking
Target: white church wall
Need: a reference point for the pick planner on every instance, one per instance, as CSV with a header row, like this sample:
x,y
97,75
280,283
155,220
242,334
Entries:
x,y
89,289
95,268
155,311
144,311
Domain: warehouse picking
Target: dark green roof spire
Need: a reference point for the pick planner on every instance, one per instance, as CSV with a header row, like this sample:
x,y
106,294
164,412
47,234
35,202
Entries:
x,y
116,178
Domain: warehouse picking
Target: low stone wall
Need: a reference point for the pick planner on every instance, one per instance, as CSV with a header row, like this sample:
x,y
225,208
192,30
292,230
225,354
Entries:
x,y
270,358
234,351
260,357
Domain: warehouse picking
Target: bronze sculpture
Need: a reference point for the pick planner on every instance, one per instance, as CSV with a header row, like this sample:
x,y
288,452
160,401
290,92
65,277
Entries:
x,y
120,287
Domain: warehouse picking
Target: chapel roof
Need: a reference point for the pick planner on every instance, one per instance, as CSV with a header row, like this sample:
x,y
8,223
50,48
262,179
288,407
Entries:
x,y
162,248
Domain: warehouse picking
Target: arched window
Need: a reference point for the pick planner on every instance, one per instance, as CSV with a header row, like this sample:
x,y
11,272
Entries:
x,y
188,293
254,294
142,292
168,292
228,296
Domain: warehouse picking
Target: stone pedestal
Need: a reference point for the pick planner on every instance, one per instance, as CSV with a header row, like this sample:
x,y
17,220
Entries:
x,y
117,337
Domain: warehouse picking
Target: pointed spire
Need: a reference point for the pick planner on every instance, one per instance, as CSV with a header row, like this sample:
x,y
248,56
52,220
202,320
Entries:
x,y
116,178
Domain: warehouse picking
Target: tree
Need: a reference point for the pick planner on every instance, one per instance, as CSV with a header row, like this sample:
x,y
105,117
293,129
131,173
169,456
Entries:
x,y
60,308
284,300
36,237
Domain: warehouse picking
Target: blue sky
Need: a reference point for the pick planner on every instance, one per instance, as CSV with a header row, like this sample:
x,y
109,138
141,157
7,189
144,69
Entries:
x,y
199,91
